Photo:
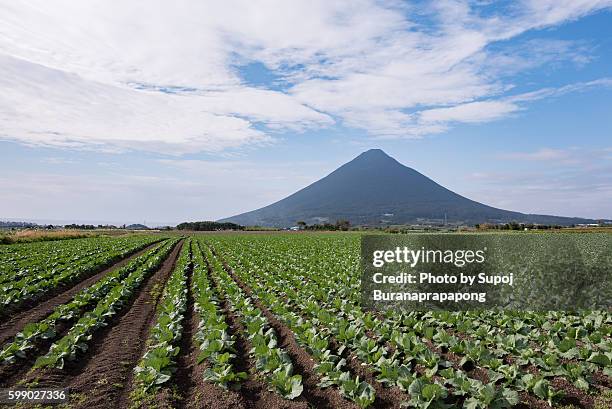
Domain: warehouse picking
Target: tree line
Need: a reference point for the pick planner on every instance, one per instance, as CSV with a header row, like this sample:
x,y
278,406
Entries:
x,y
516,226
342,225
209,226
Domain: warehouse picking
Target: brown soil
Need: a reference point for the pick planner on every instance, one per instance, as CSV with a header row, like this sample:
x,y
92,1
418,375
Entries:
x,y
191,391
187,376
103,377
254,393
302,361
573,395
600,379
385,397
528,401
41,310
10,374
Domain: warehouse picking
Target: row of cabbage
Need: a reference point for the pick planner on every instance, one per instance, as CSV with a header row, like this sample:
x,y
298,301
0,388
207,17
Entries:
x,y
34,333
314,277
159,360
24,258
41,275
78,337
525,356
554,344
19,260
214,341
213,338
94,307
270,359
356,332
330,365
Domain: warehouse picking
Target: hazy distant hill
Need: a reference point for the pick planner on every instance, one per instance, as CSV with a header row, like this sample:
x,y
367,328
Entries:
x,y
136,227
374,188
11,224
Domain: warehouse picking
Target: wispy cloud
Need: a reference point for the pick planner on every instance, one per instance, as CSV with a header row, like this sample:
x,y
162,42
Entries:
x,y
480,111
53,160
154,76
577,156
556,92
544,154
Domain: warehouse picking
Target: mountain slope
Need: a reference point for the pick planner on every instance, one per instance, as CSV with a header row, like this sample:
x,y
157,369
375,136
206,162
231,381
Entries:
x,y
374,187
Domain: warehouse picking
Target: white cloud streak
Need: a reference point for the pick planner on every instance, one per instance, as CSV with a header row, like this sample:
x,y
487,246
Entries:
x,y
163,77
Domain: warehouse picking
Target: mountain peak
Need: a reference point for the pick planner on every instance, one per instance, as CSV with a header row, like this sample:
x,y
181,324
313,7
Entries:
x,y
373,157
375,188
373,153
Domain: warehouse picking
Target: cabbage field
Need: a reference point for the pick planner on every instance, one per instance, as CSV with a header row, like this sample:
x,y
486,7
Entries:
x,y
271,321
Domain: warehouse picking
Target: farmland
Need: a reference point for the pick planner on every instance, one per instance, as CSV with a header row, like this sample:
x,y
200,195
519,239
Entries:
x,y
271,321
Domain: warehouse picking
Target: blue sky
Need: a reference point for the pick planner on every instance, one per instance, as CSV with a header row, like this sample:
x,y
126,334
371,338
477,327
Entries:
x,y
115,114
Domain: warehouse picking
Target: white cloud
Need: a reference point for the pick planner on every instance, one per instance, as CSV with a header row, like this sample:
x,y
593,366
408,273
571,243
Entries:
x,y
542,13
544,154
586,158
159,76
480,111
556,92
44,106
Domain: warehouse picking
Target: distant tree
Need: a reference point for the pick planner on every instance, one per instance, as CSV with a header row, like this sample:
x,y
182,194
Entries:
x,y
209,226
343,225
301,224
79,226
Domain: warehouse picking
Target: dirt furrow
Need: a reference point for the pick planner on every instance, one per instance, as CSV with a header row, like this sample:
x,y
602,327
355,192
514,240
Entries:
x,y
254,393
303,363
103,377
41,310
193,391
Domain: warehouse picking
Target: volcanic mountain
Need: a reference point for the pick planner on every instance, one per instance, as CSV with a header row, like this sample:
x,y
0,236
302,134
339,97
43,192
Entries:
x,y
375,189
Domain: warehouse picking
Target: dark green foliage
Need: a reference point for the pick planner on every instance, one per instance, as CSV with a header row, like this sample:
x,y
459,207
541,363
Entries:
x,y
208,226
